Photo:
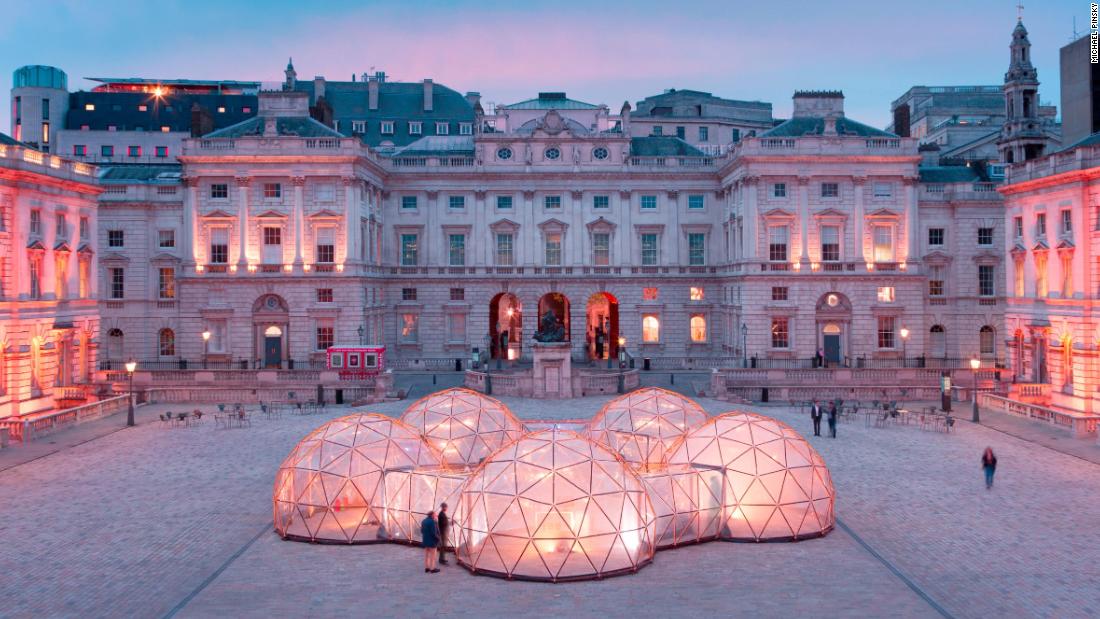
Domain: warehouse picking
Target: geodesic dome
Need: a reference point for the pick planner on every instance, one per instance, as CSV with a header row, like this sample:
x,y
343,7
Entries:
x,y
554,506
464,425
642,425
687,502
336,485
775,485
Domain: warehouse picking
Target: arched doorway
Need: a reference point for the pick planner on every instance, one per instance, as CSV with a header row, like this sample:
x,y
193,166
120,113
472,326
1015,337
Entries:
x,y
273,347
270,320
937,342
602,326
114,345
505,326
830,343
557,304
834,320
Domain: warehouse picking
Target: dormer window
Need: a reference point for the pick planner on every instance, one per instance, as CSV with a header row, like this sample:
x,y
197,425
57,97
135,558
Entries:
x,y
387,127
416,127
442,129
465,128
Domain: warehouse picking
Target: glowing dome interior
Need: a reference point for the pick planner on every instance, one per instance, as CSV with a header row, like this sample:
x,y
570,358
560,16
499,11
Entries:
x,y
554,506
641,425
464,425
335,485
776,485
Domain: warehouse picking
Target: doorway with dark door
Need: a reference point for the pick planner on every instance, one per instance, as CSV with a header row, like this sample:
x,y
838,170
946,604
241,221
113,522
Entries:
x,y
831,343
273,347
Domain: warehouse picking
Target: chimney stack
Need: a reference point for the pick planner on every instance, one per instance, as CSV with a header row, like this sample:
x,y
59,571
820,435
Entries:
x,y
427,95
318,87
901,120
372,95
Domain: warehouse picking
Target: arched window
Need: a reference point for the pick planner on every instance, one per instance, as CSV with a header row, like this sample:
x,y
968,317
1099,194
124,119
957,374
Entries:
x,y
167,343
698,328
114,344
987,340
651,329
938,341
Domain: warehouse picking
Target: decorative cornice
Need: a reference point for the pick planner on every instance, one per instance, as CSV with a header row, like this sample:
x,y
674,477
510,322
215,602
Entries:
x,y
242,181
298,181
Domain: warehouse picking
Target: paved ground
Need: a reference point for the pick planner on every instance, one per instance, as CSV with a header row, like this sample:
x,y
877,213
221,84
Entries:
x,y
153,521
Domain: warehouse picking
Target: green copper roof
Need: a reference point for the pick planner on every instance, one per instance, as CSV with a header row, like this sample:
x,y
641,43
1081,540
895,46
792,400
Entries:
x,y
7,140
551,101
1091,140
798,127
438,146
130,174
949,174
663,146
297,126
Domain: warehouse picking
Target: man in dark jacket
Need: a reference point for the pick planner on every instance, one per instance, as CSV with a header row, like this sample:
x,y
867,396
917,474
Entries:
x,y
429,539
815,414
444,530
832,419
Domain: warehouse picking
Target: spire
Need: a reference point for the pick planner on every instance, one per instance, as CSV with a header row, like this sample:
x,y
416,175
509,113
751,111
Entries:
x,y
1022,135
291,75
290,64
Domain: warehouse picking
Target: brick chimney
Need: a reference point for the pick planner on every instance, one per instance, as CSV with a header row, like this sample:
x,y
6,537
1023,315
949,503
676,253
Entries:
x,y
427,95
901,120
372,95
318,87
202,121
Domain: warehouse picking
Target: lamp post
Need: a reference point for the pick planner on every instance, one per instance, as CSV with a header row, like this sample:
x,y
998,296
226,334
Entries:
x,y
904,347
622,364
744,345
975,363
205,344
131,365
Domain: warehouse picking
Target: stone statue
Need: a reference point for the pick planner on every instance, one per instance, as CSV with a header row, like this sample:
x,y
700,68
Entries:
x,y
550,328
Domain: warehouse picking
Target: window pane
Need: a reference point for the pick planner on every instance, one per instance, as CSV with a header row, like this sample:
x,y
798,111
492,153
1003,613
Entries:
x,y
884,244
698,329
651,329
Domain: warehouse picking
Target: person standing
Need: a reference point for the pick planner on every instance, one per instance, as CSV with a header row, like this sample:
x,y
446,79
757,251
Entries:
x,y
599,343
429,539
989,466
832,419
444,529
815,414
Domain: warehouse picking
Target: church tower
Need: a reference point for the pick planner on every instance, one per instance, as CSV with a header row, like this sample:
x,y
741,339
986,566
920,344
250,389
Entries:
x,y
291,75
1022,136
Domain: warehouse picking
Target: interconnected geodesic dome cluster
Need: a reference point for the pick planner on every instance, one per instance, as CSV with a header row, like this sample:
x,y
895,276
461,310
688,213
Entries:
x,y
650,471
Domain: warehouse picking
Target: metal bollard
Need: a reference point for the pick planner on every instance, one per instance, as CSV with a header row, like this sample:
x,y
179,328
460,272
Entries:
x,y
672,378
433,379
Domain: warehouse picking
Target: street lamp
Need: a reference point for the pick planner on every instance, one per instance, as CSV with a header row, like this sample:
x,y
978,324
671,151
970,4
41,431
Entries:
x,y
622,364
744,345
205,343
975,363
131,365
904,347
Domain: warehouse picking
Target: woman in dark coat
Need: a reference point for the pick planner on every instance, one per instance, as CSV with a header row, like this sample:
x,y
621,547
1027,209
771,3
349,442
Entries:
x,y
989,465
429,539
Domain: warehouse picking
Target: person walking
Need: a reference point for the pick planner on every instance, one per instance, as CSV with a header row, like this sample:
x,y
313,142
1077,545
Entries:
x,y
429,539
832,419
444,529
989,466
815,414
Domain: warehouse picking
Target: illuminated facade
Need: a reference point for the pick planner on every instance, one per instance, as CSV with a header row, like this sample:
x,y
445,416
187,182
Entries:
x,y
49,323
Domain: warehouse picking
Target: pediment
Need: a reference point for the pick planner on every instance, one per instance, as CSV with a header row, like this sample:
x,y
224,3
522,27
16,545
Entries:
x,y
937,257
36,245
85,249
217,214
164,257
987,257
62,246
113,257
600,224
504,224
324,214
831,213
271,215
883,213
1065,244
778,213
553,224
1040,245
1018,250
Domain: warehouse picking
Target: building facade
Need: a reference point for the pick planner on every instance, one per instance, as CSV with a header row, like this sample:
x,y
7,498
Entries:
x,y
49,324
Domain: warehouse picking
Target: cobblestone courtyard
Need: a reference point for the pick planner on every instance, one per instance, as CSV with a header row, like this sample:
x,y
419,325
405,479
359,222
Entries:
x,y
155,521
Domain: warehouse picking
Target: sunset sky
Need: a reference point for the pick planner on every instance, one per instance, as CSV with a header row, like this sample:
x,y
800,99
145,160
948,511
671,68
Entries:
x,y
596,52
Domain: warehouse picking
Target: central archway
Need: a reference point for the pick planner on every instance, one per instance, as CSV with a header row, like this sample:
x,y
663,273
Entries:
x,y
602,326
505,326
270,321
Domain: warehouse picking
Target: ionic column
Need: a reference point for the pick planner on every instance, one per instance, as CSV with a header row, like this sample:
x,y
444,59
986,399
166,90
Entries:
x,y
299,183
575,209
624,211
750,218
860,251
351,221
243,183
188,233
911,218
529,231
478,252
804,219
673,198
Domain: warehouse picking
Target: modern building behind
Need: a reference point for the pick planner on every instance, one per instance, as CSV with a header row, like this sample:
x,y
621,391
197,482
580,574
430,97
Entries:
x,y
1080,91
711,124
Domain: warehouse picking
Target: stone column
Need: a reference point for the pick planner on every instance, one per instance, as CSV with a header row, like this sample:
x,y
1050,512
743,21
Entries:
x,y
243,184
859,251
188,233
428,244
750,218
351,221
912,223
299,183
674,248
575,211
804,219
528,231
47,283
625,213
73,263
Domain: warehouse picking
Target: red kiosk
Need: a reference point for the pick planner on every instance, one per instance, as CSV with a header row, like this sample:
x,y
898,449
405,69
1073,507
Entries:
x,y
356,362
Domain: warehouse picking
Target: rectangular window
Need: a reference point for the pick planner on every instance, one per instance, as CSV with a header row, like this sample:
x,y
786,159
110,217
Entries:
x,y
830,243
704,134
779,190
458,294
36,222
651,328
735,136
504,202
1067,222
936,281
779,293
1018,222
649,249
456,202
649,202
886,332
601,248
408,250
118,283
408,202
408,294
697,249
133,151
698,327
161,152
1041,224
781,335
387,127
61,229
410,328
883,190
219,245
167,281
219,191
935,237
600,202
326,245
884,243
325,338
35,267
416,127
553,248
885,294
696,293
985,236
324,295
457,250
777,243
116,238
45,133
696,201
442,129
456,327
84,228
465,129
358,126
504,250
552,202
166,239
986,285
273,191
649,294
107,150
80,150
681,132
830,190
658,130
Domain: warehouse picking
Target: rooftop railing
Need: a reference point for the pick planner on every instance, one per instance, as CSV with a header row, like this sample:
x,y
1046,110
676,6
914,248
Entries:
x,y
31,160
